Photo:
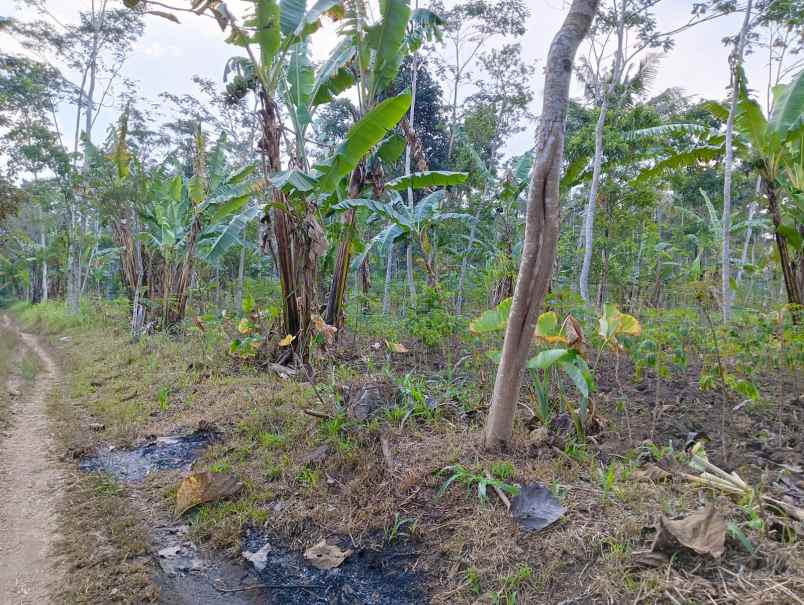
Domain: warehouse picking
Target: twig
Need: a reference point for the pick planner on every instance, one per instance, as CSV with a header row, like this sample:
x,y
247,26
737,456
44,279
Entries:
x,y
318,414
499,492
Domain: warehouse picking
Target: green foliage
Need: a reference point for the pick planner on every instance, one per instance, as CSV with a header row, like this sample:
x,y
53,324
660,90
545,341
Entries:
x,y
431,320
463,476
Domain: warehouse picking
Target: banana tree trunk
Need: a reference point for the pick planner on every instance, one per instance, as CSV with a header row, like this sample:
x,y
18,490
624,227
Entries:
x,y
541,227
792,283
334,314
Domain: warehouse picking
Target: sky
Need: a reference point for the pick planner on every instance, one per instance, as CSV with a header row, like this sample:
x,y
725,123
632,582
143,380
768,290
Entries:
x,y
169,54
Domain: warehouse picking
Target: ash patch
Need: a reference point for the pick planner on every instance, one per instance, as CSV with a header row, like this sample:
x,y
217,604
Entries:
x,y
367,577
162,453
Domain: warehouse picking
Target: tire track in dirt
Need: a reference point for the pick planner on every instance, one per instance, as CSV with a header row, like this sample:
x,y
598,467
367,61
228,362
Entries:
x,y
31,482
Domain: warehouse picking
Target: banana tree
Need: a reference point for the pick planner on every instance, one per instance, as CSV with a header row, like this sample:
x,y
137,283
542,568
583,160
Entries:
x,y
774,147
405,223
177,215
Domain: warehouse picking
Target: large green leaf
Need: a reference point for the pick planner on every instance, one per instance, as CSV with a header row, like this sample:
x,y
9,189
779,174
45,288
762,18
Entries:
x,y
268,34
291,15
386,39
425,180
230,236
788,106
390,150
301,79
429,205
334,75
547,359
385,210
363,135
493,320
681,160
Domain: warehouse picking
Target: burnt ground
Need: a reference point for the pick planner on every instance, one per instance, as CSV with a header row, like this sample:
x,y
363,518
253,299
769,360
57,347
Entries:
x,y
373,485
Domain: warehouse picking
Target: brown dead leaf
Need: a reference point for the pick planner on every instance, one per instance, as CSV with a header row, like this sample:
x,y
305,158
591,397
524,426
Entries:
x,y
396,347
325,556
200,488
647,558
703,532
651,472
324,328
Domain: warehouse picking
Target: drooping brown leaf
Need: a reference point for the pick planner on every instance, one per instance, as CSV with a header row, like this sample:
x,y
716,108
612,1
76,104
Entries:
x,y
325,556
703,532
203,487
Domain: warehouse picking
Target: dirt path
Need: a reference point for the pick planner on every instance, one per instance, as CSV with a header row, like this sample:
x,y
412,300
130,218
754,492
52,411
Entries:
x,y
31,481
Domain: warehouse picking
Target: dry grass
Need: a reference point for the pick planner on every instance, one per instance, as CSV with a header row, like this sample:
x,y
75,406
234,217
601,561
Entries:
x,y
470,551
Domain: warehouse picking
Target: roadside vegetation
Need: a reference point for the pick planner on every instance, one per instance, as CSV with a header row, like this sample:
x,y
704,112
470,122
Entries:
x,y
567,374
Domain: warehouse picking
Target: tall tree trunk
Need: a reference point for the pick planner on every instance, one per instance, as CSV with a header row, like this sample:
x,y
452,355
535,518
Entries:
x,y
736,61
607,91
389,272
465,260
752,210
542,224
591,203
241,273
43,246
408,154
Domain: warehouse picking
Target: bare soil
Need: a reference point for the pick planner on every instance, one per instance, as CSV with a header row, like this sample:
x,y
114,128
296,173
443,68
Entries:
x,y
31,481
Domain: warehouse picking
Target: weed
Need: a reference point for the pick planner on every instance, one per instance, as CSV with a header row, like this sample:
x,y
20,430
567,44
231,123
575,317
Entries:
x,y
164,399
309,477
472,576
29,367
398,529
504,471
468,478
271,440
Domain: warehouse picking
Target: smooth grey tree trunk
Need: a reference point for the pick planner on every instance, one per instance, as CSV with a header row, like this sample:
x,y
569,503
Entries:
x,y
241,273
389,273
608,90
736,61
541,226
43,245
408,153
465,261
591,203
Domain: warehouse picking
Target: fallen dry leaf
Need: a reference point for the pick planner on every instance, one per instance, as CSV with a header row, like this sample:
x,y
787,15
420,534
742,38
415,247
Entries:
x,y
326,556
651,472
703,531
285,342
396,347
200,488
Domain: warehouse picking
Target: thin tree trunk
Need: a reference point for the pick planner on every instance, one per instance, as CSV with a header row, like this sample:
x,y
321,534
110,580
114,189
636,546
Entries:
x,y
43,245
241,272
542,224
389,272
752,209
608,91
465,261
591,203
408,153
736,60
